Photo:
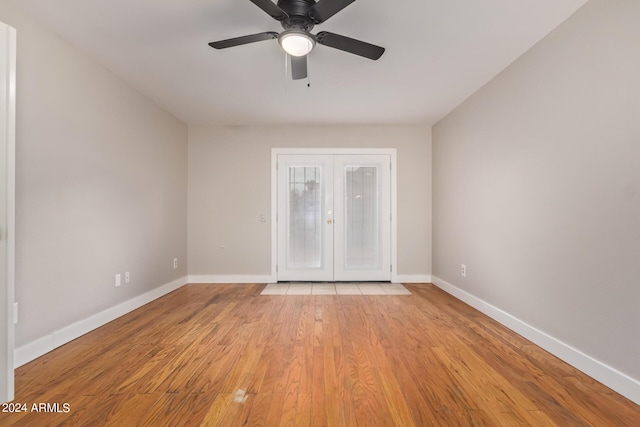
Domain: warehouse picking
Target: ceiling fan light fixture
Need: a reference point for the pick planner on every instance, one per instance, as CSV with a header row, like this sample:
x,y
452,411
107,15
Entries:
x,y
296,43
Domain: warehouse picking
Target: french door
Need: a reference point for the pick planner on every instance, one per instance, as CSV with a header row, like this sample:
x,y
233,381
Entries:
x,y
334,217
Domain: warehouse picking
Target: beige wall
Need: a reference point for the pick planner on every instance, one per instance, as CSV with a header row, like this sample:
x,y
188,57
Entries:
x,y
230,186
101,186
537,187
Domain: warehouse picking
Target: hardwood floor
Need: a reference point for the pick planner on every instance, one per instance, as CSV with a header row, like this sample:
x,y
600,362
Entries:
x,y
222,355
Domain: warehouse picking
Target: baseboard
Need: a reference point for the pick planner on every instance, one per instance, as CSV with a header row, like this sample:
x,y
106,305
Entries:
x,y
207,278
618,381
413,278
43,345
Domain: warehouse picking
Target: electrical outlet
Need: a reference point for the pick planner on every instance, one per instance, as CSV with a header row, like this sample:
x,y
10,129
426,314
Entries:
x,y
127,277
463,270
118,280
175,263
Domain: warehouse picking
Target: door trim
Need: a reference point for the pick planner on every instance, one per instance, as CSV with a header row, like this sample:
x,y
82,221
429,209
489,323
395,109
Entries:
x,y
391,152
8,143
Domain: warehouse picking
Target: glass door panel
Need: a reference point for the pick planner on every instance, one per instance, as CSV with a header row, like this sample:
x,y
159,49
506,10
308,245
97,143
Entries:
x,y
361,217
304,243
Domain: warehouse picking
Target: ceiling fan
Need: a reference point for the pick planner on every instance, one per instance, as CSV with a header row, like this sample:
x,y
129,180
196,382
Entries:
x,y
298,18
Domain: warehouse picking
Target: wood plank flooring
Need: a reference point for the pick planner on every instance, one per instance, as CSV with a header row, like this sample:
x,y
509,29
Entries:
x,y
223,355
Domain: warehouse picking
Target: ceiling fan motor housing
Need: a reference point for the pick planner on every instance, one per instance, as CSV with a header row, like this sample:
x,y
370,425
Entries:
x,y
298,18
297,23
296,7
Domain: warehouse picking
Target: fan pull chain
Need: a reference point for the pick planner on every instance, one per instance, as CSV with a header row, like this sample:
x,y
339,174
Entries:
x,y
310,46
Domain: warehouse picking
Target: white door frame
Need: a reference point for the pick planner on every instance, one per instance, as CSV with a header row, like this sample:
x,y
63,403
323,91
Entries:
x,y
7,221
275,152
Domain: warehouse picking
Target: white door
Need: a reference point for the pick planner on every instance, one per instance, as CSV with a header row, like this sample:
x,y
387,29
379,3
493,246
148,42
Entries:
x,y
305,206
362,224
334,218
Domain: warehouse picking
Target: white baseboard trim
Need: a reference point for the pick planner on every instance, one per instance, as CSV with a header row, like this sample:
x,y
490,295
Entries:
x,y
37,348
207,278
618,381
413,278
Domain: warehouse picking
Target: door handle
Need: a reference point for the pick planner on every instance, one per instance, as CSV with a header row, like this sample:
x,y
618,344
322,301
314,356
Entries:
x,y
329,221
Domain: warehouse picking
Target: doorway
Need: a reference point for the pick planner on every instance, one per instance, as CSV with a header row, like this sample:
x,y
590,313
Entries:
x,y
333,219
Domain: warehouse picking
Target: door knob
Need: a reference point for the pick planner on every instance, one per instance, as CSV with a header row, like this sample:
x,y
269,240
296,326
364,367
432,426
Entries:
x,y
329,221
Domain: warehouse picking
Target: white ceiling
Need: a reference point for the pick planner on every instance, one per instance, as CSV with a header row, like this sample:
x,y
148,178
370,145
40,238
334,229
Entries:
x,y
438,53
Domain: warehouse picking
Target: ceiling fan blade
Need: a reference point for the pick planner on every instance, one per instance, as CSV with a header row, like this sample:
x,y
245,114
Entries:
x,y
271,8
350,45
237,41
298,67
325,9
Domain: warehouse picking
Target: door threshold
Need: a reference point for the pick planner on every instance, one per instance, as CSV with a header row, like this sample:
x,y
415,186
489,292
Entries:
x,y
335,288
